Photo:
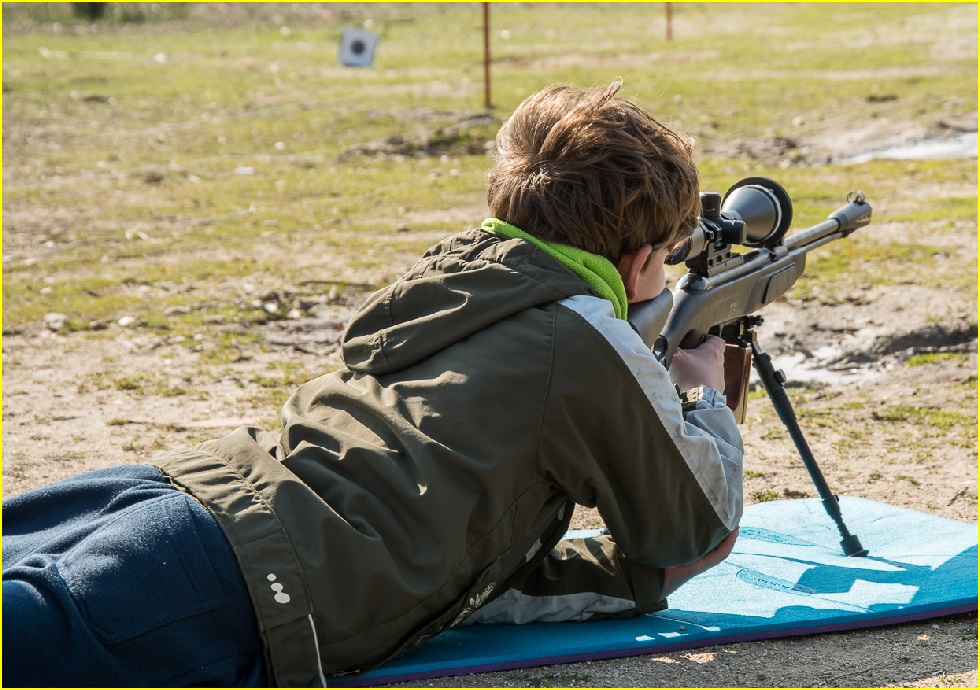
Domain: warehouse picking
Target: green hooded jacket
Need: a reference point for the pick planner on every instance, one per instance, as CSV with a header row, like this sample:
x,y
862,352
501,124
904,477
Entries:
x,y
484,394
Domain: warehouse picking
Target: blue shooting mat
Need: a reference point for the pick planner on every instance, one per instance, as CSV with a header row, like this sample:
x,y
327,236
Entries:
x,y
786,576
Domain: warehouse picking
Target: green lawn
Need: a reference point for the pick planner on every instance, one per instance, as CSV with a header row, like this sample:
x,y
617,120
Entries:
x,y
199,144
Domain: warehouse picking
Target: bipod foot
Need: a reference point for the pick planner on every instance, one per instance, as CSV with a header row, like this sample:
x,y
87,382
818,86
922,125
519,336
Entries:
x,y
851,546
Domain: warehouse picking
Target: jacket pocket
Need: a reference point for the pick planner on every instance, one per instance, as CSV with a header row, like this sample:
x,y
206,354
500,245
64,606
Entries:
x,y
143,568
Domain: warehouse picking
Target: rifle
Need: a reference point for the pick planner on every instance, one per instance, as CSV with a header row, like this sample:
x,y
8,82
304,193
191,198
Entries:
x,y
722,290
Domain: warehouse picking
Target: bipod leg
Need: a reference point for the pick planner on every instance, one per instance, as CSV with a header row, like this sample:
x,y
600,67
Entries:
x,y
773,381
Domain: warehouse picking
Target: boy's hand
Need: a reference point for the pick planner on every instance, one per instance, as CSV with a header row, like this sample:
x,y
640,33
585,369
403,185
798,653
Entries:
x,y
675,576
702,366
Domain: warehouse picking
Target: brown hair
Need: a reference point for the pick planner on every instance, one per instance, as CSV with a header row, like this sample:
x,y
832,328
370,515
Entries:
x,y
581,167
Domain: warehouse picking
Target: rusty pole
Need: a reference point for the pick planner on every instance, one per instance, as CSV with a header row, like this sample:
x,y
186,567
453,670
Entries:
x,y
486,55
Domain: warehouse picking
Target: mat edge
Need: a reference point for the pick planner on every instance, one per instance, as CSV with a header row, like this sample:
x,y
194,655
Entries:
x,y
370,681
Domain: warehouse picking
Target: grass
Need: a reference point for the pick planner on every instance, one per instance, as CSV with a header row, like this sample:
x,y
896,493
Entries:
x,y
857,264
933,417
935,357
167,147
765,495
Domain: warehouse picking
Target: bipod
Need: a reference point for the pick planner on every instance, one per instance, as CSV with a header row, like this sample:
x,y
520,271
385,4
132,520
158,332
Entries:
x,y
773,381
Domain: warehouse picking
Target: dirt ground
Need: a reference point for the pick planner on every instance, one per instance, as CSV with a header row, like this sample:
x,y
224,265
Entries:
x,y
66,410
60,418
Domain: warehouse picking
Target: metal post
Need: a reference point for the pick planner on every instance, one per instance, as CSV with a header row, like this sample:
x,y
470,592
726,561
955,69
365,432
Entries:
x,y
670,20
486,55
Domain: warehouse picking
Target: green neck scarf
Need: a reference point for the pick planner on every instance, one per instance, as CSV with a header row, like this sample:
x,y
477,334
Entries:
x,y
595,270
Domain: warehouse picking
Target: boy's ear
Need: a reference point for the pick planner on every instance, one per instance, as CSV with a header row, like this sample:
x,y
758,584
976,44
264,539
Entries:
x,y
630,266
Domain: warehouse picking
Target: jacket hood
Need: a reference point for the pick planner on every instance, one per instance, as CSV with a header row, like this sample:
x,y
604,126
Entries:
x,y
460,286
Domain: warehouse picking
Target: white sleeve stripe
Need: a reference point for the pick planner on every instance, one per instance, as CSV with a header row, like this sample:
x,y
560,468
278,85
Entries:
x,y
719,474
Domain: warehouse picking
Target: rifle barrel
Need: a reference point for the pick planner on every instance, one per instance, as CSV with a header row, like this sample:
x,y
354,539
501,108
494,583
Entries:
x,y
810,238
841,223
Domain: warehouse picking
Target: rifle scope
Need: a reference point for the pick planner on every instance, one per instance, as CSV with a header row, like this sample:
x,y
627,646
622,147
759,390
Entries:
x,y
755,212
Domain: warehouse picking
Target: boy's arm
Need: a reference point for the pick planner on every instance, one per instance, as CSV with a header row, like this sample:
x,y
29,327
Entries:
x,y
580,579
666,478
590,579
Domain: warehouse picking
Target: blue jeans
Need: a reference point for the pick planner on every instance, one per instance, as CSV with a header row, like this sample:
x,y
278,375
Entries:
x,y
115,577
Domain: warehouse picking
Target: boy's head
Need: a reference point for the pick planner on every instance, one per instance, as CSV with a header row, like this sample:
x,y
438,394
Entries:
x,y
584,168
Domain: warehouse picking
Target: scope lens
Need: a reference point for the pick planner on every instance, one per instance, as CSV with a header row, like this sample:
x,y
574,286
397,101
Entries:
x,y
764,206
679,252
